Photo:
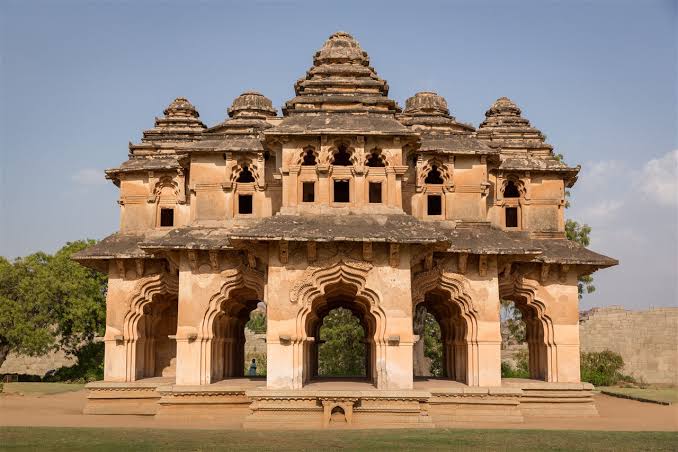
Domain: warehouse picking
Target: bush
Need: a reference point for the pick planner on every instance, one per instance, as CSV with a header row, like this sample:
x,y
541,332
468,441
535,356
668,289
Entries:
x,y
603,368
89,367
520,370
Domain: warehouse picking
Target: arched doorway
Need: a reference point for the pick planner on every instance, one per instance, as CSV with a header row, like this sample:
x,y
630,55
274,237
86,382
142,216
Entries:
x,y
229,358
524,343
342,350
338,310
155,348
443,333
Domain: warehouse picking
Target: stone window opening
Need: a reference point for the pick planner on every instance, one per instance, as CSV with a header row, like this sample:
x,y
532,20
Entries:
x,y
245,206
511,190
375,160
308,192
374,192
434,177
342,191
166,217
342,157
434,205
245,175
511,217
309,158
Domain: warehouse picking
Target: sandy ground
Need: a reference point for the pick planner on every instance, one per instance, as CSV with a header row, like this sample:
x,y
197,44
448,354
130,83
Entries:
x,y
65,410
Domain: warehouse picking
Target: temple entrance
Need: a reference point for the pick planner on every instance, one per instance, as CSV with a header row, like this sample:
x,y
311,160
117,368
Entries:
x,y
230,357
341,343
156,349
524,349
442,349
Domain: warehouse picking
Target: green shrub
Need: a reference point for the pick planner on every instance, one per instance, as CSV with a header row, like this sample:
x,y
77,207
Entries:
x,y
89,366
603,368
1,386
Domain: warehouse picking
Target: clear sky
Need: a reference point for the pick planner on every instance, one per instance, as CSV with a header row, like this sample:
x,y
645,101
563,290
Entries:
x,y
79,79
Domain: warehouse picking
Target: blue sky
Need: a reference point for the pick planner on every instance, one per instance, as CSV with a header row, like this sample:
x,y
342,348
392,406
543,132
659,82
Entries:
x,y
79,79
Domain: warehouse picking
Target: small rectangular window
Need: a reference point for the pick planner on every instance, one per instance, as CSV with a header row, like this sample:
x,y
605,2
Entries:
x,y
341,191
375,192
244,204
435,205
511,217
308,192
166,217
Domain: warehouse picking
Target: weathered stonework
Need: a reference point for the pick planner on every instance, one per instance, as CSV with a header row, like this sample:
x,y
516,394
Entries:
x,y
344,201
647,340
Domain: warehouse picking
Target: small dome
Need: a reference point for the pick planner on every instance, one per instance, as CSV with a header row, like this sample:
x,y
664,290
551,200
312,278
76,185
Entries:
x,y
341,47
427,102
181,107
503,106
251,103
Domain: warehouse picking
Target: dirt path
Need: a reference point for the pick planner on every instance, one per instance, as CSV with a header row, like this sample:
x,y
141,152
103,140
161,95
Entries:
x,y
65,410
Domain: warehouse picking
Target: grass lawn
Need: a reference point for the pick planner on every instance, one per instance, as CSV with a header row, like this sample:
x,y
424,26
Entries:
x,y
41,388
662,395
29,438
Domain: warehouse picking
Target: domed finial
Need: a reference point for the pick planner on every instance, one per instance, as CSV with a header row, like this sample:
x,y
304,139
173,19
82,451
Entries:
x,y
341,47
181,107
251,104
503,106
427,102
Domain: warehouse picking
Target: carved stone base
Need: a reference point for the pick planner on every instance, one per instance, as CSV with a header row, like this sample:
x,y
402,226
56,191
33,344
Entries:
x,y
541,399
246,405
139,397
214,405
456,405
286,409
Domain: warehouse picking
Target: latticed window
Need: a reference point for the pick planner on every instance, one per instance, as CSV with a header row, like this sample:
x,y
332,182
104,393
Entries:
x,y
434,176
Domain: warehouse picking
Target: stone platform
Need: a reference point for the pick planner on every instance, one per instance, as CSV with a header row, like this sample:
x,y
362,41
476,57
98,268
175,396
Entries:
x,y
247,403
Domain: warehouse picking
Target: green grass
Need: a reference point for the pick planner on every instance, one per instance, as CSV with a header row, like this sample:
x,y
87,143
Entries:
x,y
661,395
41,388
56,439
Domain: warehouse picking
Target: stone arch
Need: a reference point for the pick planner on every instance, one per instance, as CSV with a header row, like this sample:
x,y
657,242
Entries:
x,y
308,156
376,158
340,147
242,286
246,165
147,291
447,295
516,182
434,165
336,278
542,348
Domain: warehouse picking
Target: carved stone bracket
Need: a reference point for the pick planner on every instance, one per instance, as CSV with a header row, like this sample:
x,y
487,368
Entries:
x,y
193,259
463,259
394,254
564,270
544,276
139,265
367,251
214,259
482,265
312,251
284,253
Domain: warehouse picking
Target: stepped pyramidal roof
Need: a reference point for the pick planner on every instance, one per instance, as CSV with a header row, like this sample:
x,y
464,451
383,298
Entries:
x,y
341,92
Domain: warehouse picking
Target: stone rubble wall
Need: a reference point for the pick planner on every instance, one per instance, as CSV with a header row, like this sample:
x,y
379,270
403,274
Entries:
x,y
647,340
35,365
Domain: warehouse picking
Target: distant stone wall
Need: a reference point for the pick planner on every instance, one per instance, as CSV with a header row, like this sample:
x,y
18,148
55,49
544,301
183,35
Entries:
x,y
35,365
647,340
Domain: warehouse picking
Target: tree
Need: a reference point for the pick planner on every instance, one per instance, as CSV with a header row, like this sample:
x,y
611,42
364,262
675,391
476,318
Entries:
x,y
433,345
342,350
580,233
49,302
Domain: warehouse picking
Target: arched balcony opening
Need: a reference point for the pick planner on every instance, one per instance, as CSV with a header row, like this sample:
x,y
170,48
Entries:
x,y
342,156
